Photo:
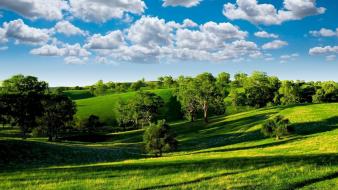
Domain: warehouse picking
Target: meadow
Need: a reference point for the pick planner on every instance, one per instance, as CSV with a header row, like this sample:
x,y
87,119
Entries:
x,y
105,106
227,153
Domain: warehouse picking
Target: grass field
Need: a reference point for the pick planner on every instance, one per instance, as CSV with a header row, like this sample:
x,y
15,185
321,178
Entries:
x,y
104,106
78,94
227,153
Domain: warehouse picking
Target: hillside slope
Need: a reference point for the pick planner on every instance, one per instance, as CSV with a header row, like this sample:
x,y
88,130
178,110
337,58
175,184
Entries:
x,y
104,106
227,153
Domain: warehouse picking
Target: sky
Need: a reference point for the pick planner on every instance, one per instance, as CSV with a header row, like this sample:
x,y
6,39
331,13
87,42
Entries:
x,y
78,42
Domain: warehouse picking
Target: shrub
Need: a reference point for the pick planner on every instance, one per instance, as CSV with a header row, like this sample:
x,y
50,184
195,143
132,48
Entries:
x,y
277,127
158,138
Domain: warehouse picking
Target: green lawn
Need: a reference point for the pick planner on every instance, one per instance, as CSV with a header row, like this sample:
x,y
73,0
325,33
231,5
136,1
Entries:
x,y
104,106
228,153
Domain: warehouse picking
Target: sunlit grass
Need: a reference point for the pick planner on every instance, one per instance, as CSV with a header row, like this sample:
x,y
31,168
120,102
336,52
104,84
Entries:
x,y
227,153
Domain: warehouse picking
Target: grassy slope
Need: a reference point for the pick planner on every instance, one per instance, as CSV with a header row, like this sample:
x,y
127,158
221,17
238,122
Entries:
x,y
78,94
103,106
228,153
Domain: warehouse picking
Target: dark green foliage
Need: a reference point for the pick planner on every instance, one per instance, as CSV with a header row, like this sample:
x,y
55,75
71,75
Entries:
x,y
158,138
58,113
327,92
138,85
290,93
277,127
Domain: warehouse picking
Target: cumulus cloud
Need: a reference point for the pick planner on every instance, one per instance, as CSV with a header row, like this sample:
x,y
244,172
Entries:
x,y
267,14
187,23
34,9
3,38
23,33
264,34
112,40
276,44
151,40
183,3
323,50
73,54
151,32
323,32
102,11
68,29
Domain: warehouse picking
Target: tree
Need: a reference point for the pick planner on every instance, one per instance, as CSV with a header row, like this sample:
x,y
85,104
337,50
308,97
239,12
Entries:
x,y
100,88
186,95
239,79
260,89
138,85
168,81
146,107
24,95
222,82
93,123
158,138
125,114
277,127
290,93
58,113
327,92
206,93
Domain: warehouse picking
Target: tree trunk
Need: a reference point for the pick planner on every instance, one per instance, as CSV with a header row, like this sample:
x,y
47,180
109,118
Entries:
x,y
205,109
277,137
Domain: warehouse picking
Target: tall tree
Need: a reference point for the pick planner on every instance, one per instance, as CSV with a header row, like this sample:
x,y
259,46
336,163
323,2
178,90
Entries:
x,y
206,93
186,95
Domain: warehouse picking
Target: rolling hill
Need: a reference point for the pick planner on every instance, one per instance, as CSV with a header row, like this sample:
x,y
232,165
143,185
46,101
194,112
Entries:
x,y
227,153
104,106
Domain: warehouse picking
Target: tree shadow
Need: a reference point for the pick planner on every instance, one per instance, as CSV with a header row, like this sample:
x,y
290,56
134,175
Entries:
x,y
308,128
312,181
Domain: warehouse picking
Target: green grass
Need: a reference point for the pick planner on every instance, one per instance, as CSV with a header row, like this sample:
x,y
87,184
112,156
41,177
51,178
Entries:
x,y
78,94
104,106
227,153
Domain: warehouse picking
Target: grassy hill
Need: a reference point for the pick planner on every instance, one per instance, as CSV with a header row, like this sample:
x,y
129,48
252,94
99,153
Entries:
x,y
104,106
78,94
227,153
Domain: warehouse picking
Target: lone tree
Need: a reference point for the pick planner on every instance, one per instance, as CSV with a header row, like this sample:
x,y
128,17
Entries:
x,y
277,127
58,113
158,138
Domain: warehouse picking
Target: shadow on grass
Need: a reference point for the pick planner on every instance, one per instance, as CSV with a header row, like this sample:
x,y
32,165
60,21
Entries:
x,y
150,168
312,181
309,128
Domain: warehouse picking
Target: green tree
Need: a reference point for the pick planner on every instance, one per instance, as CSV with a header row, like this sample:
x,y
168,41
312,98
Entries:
x,y
58,113
146,107
327,92
24,95
206,93
186,95
168,82
290,93
138,85
100,88
158,138
277,127
222,82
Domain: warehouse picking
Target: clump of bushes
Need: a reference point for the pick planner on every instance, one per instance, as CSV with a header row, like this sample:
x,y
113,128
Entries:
x,y
277,127
158,138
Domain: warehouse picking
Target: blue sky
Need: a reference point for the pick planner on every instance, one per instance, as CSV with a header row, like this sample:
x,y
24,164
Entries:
x,y
79,42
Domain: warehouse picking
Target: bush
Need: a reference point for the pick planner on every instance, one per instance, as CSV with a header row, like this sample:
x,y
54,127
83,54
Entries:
x,y
277,127
158,138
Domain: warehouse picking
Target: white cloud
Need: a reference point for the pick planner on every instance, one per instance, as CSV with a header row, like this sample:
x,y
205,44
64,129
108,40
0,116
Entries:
x,y
75,60
267,14
331,58
102,11
151,32
324,33
323,50
34,9
66,50
68,29
23,33
112,40
183,3
187,23
276,44
288,57
264,34
3,38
